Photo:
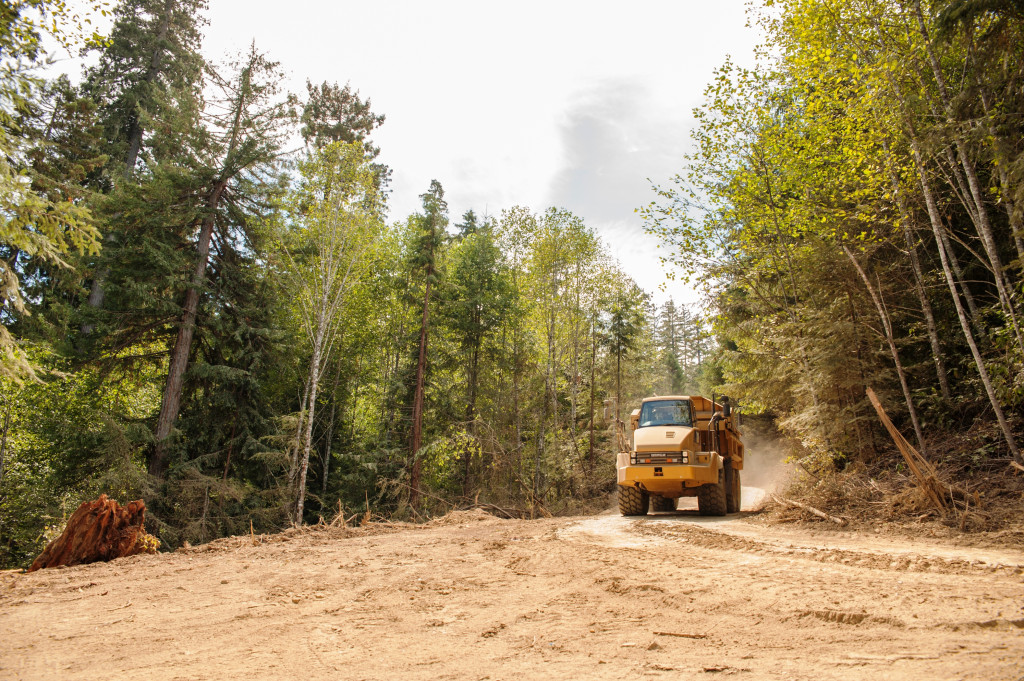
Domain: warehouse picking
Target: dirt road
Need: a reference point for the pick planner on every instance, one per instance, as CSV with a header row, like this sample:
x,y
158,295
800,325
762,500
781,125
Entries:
x,y
474,597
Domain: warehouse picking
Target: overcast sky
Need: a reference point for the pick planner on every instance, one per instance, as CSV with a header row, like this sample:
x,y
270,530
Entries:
x,y
555,103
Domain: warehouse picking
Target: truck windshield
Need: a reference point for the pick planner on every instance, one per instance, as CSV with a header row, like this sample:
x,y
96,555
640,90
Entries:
x,y
665,413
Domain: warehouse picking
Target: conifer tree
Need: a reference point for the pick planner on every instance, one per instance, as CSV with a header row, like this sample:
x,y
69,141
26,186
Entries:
x,y
245,143
431,225
153,50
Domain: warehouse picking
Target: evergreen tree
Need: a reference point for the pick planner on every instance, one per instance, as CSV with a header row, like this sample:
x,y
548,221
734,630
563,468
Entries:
x,y
431,224
39,225
153,49
337,114
475,301
246,139
150,63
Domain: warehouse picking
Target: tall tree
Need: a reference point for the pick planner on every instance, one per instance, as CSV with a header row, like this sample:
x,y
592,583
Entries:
x,y
431,225
475,302
625,323
245,144
337,114
153,49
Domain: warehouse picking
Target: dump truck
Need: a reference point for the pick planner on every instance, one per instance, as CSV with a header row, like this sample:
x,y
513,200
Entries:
x,y
681,446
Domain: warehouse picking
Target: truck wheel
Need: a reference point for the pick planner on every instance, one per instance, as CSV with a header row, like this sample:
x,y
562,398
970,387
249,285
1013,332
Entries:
x,y
733,494
711,498
632,501
662,504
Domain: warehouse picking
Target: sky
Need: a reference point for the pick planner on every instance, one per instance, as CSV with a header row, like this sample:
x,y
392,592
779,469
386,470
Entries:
x,y
579,105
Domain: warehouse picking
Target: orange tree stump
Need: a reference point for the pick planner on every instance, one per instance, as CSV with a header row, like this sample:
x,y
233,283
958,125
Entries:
x,y
99,530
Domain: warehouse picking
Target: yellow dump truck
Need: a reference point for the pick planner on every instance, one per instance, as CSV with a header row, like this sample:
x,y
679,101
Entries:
x,y
681,446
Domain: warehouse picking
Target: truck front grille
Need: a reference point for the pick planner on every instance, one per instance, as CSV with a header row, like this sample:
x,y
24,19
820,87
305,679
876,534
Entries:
x,y
660,458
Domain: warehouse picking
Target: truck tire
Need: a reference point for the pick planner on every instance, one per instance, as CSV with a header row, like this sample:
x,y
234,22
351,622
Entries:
x,y
662,504
733,493
711,498
632,501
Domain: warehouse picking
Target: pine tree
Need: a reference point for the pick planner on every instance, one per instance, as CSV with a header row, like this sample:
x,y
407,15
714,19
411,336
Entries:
x,y
474,303
431,227
246,139
152,49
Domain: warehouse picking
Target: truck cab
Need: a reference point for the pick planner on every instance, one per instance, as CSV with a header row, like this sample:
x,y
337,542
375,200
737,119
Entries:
x,y
679,446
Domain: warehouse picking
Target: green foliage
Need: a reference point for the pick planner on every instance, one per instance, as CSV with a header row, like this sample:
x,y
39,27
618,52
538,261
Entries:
x,y
64,439
336,114
803,169
36,222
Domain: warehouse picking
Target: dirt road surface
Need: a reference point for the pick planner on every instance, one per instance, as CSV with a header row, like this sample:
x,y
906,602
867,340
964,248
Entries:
x,y
672,596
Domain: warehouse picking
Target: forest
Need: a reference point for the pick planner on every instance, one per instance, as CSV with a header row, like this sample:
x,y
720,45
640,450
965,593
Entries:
x,y
207,303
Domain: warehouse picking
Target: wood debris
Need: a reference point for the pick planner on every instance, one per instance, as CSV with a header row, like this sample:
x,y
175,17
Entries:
x,y
810,509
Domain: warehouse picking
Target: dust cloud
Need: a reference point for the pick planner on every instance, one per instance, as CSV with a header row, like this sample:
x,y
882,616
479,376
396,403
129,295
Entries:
x,y
764,468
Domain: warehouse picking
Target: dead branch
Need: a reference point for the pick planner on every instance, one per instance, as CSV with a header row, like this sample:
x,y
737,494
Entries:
x,y
821,514
672,633
927,478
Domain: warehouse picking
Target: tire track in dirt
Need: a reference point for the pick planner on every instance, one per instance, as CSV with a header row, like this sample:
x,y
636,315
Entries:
x,y
737,533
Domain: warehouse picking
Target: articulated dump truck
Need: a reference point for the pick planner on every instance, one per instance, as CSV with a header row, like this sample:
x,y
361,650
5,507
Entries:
x,y
681,446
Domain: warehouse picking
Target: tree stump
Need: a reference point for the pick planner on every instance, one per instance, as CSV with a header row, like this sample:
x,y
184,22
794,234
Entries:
x,y
99,530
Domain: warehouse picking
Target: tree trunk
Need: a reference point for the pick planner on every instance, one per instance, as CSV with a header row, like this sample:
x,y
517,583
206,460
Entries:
x,y
3,438
183,344
980,212
1005,186
593,388
618,385
935,219
293,468
855,398
954,262
330,433
517,416
540,451
417,405
922,296
471,410
307,439
929,316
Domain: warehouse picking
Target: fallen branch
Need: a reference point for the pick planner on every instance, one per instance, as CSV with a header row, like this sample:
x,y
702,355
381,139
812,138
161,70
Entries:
x,y
1017,465
677,635
821,514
